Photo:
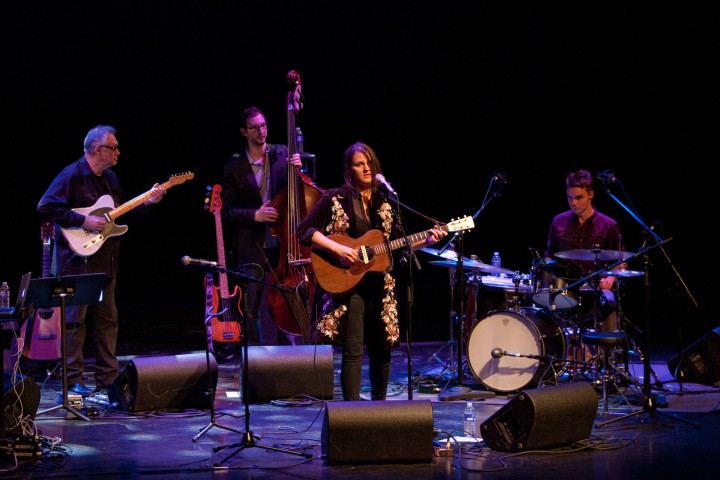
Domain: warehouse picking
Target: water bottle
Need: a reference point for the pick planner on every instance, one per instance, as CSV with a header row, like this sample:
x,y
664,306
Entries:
x,y
4,295
469,420
496,261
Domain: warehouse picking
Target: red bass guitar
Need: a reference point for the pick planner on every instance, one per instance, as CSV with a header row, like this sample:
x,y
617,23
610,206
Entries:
x,y
225,327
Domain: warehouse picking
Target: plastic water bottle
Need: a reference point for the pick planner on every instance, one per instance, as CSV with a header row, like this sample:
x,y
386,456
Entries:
x,y
4,295
496,261
469,420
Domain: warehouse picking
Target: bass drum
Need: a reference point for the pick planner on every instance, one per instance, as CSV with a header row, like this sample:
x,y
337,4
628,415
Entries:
x,y
528,331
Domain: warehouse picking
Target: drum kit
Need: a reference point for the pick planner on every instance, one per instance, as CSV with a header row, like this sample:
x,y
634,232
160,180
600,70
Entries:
x,y
528,321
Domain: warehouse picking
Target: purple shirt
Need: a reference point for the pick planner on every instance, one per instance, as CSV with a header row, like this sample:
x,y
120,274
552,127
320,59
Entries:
x,y
598,231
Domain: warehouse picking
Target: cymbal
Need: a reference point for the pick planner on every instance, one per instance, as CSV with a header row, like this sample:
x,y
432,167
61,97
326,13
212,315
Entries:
x,y
447,253
594,253
474,265
621,272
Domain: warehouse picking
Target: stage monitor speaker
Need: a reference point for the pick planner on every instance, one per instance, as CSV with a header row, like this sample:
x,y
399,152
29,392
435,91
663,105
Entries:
x,y
284,371
21,399
547,417
700,361
391,431
164,382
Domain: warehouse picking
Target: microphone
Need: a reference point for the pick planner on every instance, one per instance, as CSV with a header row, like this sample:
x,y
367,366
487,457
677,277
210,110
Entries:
x,y
497,352
499,177
607,177
380,178
198,261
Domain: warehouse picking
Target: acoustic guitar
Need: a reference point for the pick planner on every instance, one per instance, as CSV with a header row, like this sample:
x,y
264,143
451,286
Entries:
x,y
42,342
337,277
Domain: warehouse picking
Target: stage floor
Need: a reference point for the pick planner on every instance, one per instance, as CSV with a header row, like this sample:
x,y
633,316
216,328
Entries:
x,y
675,438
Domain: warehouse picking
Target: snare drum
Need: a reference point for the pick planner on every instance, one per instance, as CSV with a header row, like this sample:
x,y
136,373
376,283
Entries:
x,y
500,292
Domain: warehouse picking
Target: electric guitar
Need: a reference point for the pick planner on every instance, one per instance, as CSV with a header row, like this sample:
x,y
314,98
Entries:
x,y
85,243
337,277
225,327
42,342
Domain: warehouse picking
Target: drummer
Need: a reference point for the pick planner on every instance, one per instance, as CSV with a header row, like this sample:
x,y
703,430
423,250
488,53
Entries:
x,y
583,227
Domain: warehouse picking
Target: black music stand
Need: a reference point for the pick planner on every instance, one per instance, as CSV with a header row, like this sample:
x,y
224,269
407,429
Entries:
x,y
60,292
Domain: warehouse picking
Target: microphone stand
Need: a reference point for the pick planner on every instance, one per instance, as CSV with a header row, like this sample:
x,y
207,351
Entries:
x,y
248,439
409,253
211,389
649,402
465,391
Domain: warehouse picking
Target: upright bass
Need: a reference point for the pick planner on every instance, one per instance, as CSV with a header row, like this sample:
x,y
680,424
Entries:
x,y
289,307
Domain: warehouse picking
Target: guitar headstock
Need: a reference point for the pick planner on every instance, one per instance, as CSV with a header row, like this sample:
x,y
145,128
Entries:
x,y
461,224
294,99
214,204
47,232
178,178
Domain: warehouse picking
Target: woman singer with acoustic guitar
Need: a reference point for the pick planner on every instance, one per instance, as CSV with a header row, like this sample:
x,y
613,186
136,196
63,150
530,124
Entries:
x,y
365,313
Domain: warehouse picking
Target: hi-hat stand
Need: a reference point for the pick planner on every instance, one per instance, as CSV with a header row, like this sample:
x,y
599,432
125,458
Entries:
x,y
60,292
248,439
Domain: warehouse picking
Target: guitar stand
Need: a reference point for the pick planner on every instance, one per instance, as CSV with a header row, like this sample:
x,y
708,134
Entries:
x,y
248,439
62,291
211,390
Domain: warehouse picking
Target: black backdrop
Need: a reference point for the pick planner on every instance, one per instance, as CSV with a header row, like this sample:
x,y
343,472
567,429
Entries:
x,y
447,94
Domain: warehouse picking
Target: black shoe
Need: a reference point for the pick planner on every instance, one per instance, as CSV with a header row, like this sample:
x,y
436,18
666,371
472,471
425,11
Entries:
x,y
81,389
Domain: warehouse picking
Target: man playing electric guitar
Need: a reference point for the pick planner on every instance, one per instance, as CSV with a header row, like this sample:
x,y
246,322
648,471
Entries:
x,y
79,185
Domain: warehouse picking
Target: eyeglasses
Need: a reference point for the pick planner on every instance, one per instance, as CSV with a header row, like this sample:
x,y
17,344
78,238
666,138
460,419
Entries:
x,y
256,128
114,148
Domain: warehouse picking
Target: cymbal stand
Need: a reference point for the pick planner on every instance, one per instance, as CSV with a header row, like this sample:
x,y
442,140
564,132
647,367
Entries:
x,y
632,346
497,181
649,405
451,344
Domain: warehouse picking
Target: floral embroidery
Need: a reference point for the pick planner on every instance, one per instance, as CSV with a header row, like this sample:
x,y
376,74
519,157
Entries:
x,y
340,219
332,312
385,213
389,313
328,325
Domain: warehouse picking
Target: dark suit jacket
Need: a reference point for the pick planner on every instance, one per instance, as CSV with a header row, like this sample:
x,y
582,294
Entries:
x,y
240,197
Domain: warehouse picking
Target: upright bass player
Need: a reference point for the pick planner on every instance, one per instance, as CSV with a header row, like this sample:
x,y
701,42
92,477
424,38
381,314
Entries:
x,y
250,180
